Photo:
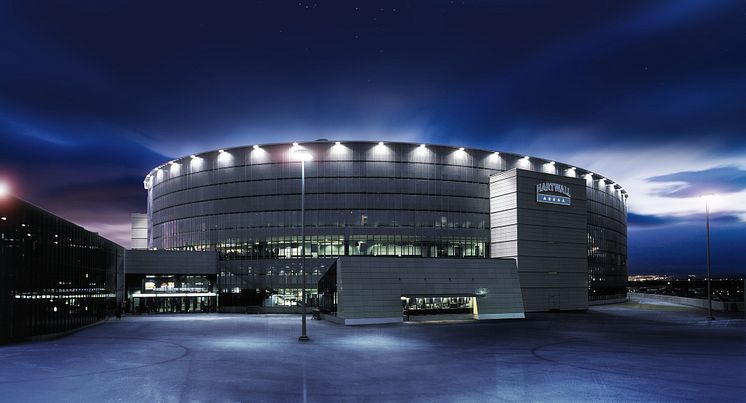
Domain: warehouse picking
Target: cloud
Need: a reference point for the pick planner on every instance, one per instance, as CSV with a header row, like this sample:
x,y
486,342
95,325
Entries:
x,y
635,221
729,179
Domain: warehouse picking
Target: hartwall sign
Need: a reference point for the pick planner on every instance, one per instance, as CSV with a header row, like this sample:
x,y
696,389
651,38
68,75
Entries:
x,y
553,193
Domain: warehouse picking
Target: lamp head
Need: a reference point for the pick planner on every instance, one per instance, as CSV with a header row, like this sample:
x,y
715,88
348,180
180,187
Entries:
x,y
302,155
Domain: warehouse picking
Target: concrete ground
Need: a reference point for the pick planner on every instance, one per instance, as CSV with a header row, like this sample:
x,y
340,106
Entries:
x,y
639,351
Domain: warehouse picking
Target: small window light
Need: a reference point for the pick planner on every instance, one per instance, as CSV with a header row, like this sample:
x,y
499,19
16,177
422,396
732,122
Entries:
x,y
256,146
461,148
336,143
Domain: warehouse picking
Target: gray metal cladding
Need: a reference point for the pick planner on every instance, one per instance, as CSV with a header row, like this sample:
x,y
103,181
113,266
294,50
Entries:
x,y
415,194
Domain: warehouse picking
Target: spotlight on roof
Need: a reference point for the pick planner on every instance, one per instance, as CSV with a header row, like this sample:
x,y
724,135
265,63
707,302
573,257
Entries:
x,y
461,148
497,152
527,158
380,143
171,162
256,146
551,162
572,168
192,156
336,143
295,144
422,146
221,151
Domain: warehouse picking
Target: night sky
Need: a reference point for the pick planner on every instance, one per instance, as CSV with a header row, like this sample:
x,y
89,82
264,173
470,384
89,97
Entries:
x,y
652,94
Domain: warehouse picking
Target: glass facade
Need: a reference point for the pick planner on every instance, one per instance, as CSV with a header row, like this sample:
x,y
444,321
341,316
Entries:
x,y
362,198
55,275
607,242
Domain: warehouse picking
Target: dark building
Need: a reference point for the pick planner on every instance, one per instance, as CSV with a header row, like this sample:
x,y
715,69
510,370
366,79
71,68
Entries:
x,y
54,275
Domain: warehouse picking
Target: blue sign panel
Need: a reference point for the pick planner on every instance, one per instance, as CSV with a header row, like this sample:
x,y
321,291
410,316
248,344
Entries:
x,y
552,199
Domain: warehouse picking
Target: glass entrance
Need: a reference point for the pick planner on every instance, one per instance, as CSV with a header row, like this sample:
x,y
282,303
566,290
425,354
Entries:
x,y
172,294
144,303
437,305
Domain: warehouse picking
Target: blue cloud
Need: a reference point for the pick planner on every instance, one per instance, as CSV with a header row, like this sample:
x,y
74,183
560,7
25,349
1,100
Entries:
x,y
694,183
651,220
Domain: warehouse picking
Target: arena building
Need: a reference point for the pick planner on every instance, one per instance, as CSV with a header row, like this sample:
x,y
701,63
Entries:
x,y
396,230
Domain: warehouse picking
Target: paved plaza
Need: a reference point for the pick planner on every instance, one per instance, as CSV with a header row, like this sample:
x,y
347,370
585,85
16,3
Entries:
x,y
639,351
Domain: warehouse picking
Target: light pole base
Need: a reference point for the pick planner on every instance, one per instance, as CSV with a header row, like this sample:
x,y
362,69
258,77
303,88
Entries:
x,y
303,338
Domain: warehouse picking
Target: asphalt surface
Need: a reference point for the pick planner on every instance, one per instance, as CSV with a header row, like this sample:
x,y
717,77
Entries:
x,y
640,351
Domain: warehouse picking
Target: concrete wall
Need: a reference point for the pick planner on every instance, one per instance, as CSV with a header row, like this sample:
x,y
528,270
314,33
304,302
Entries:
x,y
695,302
549,241
170,262
370,288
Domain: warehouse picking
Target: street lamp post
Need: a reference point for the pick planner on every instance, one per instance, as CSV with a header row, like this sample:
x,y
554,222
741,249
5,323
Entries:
x,y
707,198
303,156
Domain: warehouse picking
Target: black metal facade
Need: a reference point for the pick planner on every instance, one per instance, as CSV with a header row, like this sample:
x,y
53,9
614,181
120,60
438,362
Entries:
x,y
54,275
